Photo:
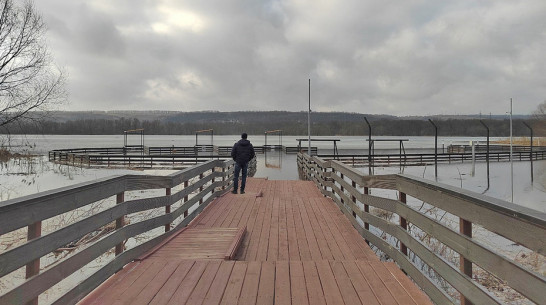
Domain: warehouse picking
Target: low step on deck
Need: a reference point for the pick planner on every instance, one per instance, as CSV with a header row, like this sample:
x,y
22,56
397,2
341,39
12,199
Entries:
x,y
298,249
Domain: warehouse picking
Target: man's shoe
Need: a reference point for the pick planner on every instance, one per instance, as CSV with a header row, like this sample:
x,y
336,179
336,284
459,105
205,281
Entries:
x,y
234,192
242,191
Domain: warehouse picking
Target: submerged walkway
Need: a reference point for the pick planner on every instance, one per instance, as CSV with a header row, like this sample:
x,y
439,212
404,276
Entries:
x,y
280,243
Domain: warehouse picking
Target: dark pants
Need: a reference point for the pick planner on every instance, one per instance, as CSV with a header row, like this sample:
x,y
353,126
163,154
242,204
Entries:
x,y
236,176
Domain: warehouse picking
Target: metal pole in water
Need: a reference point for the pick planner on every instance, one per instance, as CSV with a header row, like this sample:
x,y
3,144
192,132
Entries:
x,y
370,143
309,123
487,155
435,149
531,150
511,157
473,173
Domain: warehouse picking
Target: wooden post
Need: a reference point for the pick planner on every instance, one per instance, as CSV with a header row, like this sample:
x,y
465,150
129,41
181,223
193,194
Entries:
x,y
120,222
403,224
212,181
33,268
353,198
200,189
465,228
223,178
366,210
341,187
168,209
186,198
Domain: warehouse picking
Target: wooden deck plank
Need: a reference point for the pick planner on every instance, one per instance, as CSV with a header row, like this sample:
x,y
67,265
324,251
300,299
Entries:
x,y
417,295
234,285
314,248
261,254
199,243
231,204
319,234
249,292
312,282
283,253
293,248
245,202
325,229
273,249
250,227
184,290
348,292
266,289
253,243
122,284
236,204
329,216
344,228
380,290
397,291
155,285
218,286
282,283
360,284
329,285
212,211
204,283
166,292
353,239
297,284
303,246
250,203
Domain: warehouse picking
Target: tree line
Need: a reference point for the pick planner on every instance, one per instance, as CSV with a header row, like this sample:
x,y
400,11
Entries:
x,y
380,127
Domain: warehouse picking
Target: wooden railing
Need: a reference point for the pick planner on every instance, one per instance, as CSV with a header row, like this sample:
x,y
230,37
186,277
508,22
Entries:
x,y
195,187
350,189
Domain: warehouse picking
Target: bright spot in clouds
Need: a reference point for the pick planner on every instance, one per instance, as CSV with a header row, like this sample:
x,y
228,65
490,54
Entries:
x,y
393,57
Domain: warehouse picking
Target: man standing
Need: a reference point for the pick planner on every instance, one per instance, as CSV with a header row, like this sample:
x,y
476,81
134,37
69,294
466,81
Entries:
x,y
242,152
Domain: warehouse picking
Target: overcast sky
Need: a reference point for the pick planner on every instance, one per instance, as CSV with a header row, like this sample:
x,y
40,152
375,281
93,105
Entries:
x,y
405,57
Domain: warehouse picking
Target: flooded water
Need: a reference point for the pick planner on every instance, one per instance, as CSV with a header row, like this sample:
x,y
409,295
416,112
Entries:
x,y
25,176
41,175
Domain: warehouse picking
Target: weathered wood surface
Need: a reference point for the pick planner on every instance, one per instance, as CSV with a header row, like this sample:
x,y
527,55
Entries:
x,y
24,211
32,209
199,243
521,225
298,249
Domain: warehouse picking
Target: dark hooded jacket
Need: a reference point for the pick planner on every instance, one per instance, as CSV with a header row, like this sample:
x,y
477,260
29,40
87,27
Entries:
x,y
242,152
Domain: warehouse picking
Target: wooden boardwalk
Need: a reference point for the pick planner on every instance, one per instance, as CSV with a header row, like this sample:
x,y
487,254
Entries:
x,y
297,248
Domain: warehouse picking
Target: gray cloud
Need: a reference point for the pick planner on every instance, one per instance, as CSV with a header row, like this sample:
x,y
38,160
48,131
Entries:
x,y
402,58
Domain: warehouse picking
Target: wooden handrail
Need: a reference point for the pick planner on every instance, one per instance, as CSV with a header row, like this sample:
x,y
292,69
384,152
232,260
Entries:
x,y
519,224
21,212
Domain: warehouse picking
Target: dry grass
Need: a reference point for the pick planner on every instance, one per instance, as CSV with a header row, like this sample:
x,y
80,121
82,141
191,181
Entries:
x,y
523,141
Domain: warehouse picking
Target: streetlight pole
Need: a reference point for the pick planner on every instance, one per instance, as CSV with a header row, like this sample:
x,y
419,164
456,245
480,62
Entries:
x,y
511,157
309,123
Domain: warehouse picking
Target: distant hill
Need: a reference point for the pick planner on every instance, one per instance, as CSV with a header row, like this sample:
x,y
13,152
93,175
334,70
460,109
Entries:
x,y
253,122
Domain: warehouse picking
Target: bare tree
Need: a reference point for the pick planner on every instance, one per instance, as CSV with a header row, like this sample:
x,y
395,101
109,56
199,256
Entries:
x,y
29,81
540,119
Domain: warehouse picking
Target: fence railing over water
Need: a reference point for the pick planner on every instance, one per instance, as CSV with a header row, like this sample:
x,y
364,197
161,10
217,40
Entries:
x,y
350,190
429,158
188,192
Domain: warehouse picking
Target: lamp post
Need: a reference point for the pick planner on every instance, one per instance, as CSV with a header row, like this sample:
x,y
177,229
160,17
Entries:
x,y
511,157
309,123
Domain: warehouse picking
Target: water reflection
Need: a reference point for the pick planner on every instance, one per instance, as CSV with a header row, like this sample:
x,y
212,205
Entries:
x,y
277,165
